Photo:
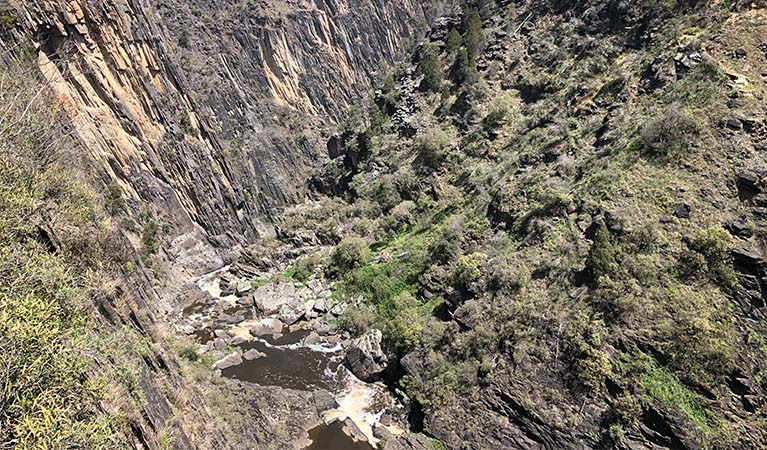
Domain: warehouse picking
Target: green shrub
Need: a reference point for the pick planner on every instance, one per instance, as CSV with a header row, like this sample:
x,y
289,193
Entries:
x,y
697,335
467,270
432,146
601,260
381,283
712,248
385,193
46,401
430,67
442,383
358,319
665,387
499,116
626,409
436,444
406,327
189,353
671,135
506,275
303,268
593,368
349,254
402,216
447,245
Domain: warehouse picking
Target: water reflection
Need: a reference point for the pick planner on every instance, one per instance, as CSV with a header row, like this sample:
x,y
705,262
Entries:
x,y
289,364
332,437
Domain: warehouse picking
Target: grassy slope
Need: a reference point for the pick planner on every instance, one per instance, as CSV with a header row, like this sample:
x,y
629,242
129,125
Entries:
x,y
538,201
71,375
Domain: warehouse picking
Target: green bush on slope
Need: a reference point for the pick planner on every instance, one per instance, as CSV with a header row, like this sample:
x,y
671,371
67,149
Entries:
x,y
601,141
47,400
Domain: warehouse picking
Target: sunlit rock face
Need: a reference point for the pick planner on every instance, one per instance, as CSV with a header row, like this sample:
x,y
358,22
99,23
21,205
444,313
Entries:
x,y
213,111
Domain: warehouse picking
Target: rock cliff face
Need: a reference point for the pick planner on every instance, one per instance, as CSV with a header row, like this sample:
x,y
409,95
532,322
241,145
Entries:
x,y
212,111
207,116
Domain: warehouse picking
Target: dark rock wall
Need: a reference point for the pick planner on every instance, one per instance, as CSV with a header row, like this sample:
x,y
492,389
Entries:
x,y
213,111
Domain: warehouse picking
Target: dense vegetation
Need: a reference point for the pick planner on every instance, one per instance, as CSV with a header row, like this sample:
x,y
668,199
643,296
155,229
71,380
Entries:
x,y
541,199
66,380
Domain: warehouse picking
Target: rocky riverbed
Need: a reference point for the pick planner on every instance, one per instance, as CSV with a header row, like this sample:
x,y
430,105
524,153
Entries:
x,y
267,330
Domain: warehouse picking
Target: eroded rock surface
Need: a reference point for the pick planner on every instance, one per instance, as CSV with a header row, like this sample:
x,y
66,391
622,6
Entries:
x,y
212,111
366,358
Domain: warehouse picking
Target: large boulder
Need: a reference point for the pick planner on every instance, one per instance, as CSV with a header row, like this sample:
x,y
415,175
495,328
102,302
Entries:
x,y
269,298
264,327
231,360
292,312
252,354
365,356
749,185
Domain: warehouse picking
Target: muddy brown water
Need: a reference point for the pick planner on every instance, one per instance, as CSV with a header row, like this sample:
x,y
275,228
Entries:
x,y
204,335
332,437
288,366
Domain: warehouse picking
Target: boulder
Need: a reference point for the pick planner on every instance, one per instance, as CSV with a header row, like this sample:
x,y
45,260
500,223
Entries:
x,y
231,360
186,329
308,305
740,228
467,314
227,285
220,334
748,185
314,285
320,305
243,288
365,356
687,61
252,354
237,340
353,431
324,400
313,338
291,313
409,441
338,309
269,298
245,300
264,327
683,211
216,344
749,261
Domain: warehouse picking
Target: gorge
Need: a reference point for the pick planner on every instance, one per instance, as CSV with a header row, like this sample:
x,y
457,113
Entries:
x,y
391,224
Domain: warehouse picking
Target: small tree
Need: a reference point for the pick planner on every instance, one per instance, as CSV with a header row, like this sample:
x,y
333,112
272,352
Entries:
x,y
454,41
430,66
113,198
432,146
465,68
673,134
713,244
601,259
473,37
349,254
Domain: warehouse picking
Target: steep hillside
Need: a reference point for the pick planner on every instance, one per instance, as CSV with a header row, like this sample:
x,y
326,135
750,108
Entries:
x,y
545,228
139,144
210,112
555,212
83,364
